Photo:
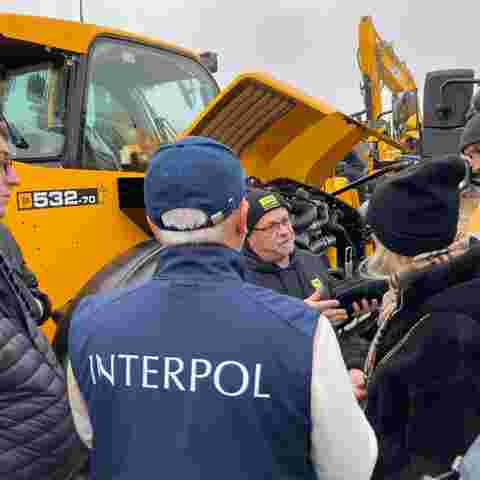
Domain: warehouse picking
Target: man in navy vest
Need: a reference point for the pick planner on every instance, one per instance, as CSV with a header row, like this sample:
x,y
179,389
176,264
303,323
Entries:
x,y
198,374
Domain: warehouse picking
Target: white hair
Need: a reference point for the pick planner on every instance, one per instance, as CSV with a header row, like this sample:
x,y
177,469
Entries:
x,y
187,218
384,262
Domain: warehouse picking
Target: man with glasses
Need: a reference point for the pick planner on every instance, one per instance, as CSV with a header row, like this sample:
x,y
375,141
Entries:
x,y
272,261
37,434
9,177
8,245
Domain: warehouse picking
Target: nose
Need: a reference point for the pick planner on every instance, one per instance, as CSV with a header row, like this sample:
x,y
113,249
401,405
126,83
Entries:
x,y
12,177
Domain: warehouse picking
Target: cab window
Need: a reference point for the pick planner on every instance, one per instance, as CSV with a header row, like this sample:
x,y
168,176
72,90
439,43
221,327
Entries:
x,y
138,98
33,101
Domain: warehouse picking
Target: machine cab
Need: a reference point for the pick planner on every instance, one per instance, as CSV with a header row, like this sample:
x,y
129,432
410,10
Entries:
x,y
101,100
85,106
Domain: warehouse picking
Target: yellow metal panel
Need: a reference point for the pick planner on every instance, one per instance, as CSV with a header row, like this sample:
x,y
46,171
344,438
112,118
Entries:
x,y
350,197
473,224
332,257
68,35
278,131
65,246
311,156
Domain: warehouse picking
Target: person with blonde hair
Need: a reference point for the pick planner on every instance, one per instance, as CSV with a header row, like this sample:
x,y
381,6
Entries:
x,y
423,388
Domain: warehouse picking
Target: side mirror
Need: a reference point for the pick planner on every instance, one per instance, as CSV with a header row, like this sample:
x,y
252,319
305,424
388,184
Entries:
x,y
447,97
445,109
210,60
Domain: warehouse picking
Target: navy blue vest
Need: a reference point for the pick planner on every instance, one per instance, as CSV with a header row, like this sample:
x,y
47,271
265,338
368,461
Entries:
x,y
196,374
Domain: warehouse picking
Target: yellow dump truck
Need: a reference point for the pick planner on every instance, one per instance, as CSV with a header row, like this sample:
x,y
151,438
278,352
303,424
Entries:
x,y
86,107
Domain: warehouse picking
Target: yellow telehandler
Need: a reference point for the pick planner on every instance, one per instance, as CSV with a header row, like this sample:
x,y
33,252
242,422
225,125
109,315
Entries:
x,y
86,106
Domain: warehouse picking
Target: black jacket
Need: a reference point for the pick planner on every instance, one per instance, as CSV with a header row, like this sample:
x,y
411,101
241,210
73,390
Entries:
x,y
305,274
300,279
424,392
10,248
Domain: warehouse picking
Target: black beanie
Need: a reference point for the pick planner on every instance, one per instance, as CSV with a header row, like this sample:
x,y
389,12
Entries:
x,y
259,203
417,211
471,133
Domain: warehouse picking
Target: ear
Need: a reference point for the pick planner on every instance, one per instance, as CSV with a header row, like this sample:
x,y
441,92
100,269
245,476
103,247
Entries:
x,y
242,224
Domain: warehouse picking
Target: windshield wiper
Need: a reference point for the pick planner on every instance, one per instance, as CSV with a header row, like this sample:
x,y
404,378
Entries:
x,y
15,136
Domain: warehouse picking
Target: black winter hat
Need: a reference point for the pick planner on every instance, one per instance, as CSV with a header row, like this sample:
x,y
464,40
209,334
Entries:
x,y
471,133
261,202
417,211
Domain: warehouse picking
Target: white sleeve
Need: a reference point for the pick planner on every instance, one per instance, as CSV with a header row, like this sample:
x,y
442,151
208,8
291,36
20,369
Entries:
x,y
344,445
81,419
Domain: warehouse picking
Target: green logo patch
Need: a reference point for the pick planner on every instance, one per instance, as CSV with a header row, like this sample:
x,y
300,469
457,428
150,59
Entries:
x,y
268,202
316,283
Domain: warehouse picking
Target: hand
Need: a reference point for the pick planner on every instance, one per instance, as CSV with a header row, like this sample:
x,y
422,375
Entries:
x,y
459,247
357,378
365,307
455,250
327,307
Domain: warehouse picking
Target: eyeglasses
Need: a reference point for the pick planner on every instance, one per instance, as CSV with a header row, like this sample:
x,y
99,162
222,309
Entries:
x,y
274,227
5,162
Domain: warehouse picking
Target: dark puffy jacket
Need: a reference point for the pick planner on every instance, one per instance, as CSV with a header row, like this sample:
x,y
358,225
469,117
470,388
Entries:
x,y
38,440
9,247
424,392
305,274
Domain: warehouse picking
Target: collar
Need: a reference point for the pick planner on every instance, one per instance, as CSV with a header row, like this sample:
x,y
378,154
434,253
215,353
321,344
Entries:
x,y
261,265
200,261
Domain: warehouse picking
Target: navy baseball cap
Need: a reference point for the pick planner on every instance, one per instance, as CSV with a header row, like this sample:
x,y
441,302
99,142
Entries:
x,y
197,173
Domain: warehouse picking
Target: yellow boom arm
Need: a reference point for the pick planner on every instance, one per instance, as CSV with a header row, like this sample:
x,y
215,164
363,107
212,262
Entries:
x,y
380,67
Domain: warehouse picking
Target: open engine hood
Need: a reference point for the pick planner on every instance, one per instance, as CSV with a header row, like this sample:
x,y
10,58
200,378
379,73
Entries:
x,y
278,131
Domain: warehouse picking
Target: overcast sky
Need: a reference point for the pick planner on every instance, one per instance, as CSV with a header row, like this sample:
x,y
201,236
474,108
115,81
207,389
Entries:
x,y
310,44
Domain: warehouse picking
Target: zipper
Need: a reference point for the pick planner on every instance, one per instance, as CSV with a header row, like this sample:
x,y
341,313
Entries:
x,y
393,351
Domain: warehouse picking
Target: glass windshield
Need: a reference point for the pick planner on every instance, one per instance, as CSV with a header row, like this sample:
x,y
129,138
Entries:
x,y
138,98
33,101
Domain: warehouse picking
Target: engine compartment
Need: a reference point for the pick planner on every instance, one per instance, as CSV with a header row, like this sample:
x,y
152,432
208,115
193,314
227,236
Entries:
x,y
322,221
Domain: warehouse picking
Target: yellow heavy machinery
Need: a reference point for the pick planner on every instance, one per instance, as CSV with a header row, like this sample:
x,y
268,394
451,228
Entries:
x,y
87,105
381,68
448,102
